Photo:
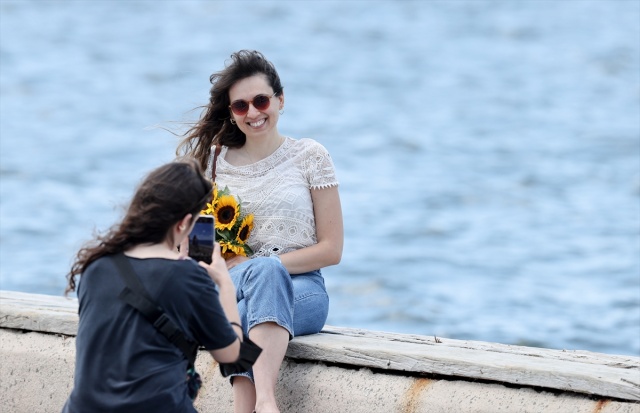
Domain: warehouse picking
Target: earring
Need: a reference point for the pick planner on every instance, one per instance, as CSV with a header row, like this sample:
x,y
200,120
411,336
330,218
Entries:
x,y
233,122
281,111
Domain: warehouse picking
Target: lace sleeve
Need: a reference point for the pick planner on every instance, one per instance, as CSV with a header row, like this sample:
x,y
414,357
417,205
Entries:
x,y
319,167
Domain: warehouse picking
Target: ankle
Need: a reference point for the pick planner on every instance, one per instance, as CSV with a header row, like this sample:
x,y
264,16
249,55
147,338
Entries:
x,y
267,407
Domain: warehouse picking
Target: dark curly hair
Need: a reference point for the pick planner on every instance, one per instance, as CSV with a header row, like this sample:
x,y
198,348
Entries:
x,y
166,196
214,126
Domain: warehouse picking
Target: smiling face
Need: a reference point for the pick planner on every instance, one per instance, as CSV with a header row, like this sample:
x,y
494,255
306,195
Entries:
x,y
256,123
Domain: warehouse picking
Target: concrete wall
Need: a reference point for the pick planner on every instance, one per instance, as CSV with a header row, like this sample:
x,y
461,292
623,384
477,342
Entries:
x,y
36,375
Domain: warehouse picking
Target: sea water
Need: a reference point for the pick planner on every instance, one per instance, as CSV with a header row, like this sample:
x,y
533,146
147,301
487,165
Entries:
x,y
488,152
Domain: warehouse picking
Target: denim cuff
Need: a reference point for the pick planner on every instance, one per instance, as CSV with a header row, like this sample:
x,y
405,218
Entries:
x,y
247,374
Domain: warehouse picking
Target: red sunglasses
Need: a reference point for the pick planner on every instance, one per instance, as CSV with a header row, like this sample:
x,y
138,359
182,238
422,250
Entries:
x,y
261,102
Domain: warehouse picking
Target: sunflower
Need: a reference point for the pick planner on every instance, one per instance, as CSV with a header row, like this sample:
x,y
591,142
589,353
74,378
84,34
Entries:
x,y
226,212
245,229
232,226
211,206
230,250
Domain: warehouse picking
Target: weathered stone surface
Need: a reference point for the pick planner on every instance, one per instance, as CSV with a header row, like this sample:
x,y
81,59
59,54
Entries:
x,y
339,370
36,375
574,371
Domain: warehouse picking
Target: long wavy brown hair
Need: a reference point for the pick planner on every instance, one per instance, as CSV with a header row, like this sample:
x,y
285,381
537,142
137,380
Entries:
x,y
164,197
214,126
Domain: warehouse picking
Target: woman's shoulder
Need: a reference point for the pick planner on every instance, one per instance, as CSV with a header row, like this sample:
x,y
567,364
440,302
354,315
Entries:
x,y
307,145
304,142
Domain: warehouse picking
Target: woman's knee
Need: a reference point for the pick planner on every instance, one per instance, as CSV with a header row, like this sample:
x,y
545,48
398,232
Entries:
x,y
310,313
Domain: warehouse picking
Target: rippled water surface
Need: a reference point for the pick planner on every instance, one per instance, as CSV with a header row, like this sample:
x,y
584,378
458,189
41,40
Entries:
x,y
488,151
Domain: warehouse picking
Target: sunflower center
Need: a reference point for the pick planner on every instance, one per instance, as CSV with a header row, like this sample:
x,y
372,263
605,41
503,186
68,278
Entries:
x,y
226,214
244,233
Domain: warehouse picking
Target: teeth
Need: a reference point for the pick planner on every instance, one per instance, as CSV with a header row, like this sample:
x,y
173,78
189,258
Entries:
x,y
258,123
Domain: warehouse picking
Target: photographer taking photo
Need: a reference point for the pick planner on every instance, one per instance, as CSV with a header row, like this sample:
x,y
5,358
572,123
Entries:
x,y
145,308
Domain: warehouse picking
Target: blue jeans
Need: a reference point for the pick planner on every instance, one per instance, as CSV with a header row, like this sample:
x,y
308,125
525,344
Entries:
x,y
266,292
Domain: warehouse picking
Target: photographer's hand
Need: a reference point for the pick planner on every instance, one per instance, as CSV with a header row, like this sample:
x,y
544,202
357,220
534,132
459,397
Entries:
x,y
217,270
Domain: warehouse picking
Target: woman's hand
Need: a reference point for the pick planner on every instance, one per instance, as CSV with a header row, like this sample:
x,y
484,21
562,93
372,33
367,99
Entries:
x,y
237,259
217,270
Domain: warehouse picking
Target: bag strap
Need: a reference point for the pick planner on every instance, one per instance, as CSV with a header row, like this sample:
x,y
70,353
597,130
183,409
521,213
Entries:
x,y
215,158
137,297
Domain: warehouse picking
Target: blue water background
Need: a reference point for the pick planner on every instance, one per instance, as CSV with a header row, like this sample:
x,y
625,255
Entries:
x,y
488,151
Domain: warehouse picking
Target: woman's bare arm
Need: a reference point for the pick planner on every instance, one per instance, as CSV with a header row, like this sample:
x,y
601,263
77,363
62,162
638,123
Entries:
x,y
330,233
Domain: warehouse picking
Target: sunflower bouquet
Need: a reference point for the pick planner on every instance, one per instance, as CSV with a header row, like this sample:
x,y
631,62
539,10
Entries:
x,y
232,228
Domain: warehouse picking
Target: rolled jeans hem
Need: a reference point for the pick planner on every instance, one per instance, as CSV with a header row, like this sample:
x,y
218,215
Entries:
x,y
275,320
245,374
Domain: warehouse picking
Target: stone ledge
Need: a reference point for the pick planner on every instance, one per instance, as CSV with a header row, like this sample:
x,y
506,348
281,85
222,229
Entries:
x,y
595,375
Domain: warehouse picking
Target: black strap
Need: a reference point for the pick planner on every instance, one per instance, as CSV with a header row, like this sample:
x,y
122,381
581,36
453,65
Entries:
x,y
249,352
137,297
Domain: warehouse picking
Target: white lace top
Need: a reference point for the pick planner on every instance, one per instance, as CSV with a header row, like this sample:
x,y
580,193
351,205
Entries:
x,y
277,191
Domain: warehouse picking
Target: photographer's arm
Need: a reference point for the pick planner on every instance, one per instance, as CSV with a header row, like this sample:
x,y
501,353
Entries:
x,y
218,272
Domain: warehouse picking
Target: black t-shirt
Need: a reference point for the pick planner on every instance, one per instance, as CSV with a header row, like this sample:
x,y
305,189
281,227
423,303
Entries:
x,y
123,364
